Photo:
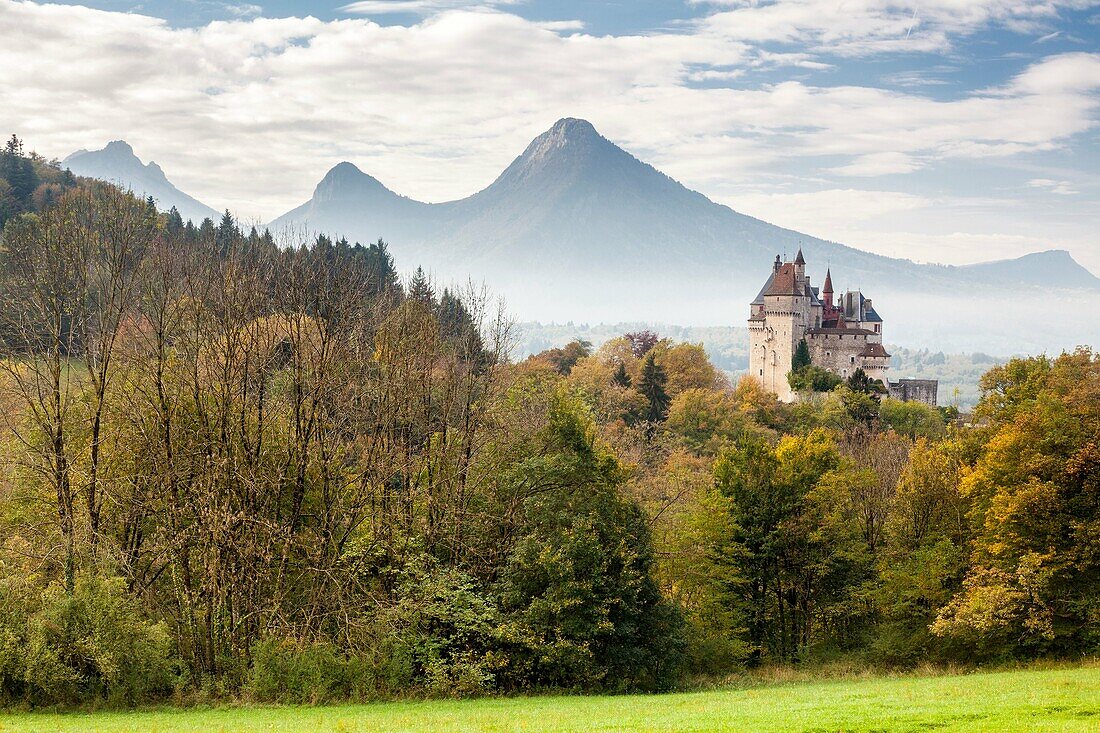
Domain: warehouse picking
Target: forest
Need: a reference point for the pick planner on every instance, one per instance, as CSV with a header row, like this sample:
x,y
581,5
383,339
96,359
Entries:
x,y
236,470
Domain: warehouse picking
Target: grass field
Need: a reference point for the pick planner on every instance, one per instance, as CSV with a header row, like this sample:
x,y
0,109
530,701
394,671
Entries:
x,y
1029,700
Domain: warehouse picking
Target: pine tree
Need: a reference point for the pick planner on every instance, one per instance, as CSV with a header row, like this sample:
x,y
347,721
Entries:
x,y
652,387
14,147
381,271
420,290
621,378
801,356
227,232
861,382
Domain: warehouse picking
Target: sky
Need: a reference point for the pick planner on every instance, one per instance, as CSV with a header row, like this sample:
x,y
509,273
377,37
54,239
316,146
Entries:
x,y
948,131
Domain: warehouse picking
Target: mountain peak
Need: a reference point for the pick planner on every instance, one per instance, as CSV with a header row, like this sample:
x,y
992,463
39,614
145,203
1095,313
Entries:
x,y
344,171
344,181
119,147
574,127
568,133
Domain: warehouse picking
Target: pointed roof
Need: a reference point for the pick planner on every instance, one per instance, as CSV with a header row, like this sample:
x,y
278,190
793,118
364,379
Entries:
x,y
799,259
784,282
828,286
759,299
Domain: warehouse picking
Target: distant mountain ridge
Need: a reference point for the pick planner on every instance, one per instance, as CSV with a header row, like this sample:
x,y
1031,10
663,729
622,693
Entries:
x,y
117,163
574,203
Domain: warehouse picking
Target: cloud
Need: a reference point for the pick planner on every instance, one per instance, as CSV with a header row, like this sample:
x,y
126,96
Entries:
x,y
242,10
1062,188
1067,73
250,113
418,7
879,164
865,27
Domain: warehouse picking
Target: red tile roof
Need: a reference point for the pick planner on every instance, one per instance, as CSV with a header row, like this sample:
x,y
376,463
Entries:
x,y
784,282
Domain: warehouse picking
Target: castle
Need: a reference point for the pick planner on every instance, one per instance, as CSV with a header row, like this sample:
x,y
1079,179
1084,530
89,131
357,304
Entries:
x,y
842,336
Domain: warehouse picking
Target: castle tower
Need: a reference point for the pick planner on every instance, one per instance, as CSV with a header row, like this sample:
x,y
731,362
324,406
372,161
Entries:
x,y
827,289
779,318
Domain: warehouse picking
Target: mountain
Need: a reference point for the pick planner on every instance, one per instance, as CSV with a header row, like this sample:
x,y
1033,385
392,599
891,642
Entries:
x,y
118,164
578,228
1054,267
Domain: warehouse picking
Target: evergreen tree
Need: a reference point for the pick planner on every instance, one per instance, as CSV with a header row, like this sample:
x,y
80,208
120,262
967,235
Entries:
x,y
861,382
381,272
14,147
621,378
226,233
173,222
652,387
420,290
207,231
801,356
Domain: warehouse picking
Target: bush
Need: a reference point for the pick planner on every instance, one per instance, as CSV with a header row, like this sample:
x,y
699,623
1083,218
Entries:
x,y
285,672
92,644
449,629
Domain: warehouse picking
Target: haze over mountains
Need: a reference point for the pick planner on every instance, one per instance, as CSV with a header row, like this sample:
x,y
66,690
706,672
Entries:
x,y
578,229
117,163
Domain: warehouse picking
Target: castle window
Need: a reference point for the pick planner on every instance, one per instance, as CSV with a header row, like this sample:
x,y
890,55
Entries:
x,y
853,359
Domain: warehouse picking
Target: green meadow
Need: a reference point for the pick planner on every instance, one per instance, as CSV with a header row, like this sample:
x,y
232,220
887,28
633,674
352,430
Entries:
x,y
1066,699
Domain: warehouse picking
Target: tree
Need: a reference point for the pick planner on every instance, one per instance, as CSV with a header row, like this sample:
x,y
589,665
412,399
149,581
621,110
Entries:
x,y
801,356
652,387
1033,510
798,559
621,378
577,590
913,419
859,381
565,358
704,419
419,290
811,378
641,342
687,367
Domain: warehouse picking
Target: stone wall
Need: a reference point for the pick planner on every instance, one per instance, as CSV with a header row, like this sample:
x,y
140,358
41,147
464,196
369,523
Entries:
x,y
915,390
839,353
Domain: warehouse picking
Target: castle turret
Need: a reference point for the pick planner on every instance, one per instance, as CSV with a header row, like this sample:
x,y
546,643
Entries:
x,y
827,289
800,267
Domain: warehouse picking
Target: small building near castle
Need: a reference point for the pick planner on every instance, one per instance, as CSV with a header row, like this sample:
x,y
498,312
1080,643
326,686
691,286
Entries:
x,y
843,333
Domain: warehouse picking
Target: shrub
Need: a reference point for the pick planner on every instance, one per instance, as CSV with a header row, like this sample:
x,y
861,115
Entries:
x,y
285,672
92,644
